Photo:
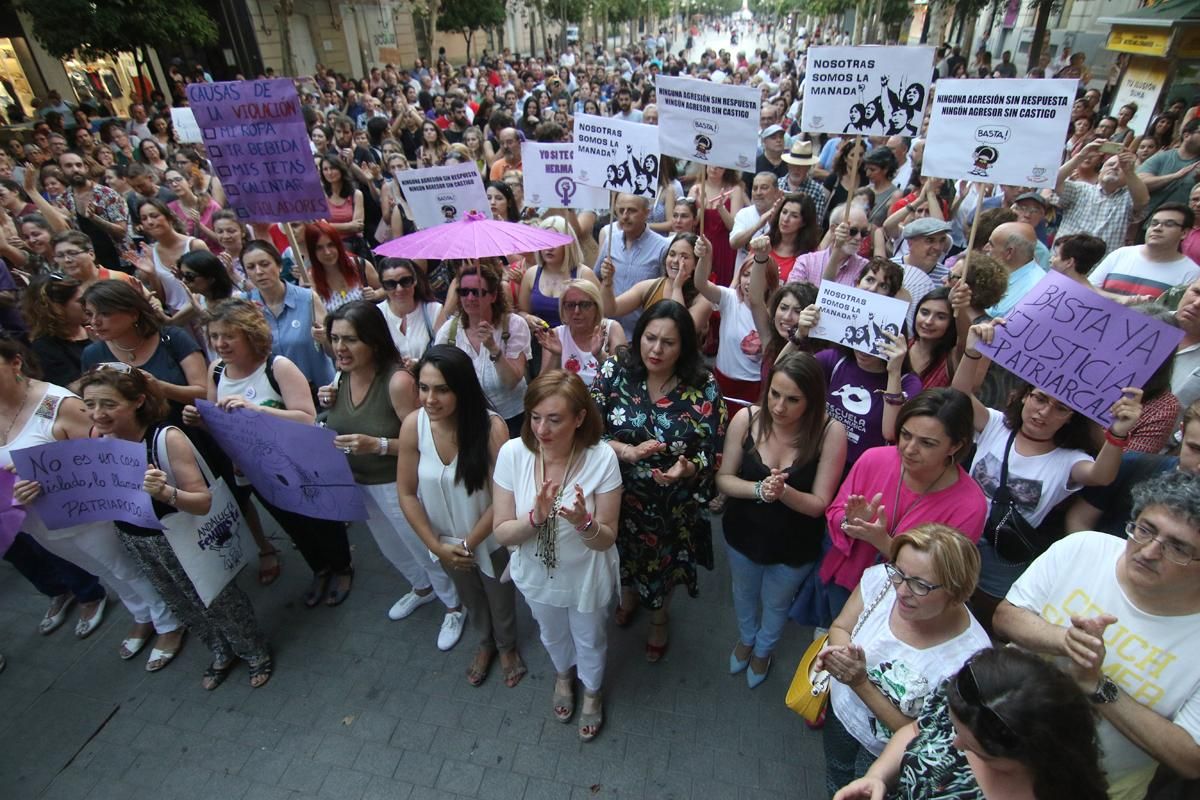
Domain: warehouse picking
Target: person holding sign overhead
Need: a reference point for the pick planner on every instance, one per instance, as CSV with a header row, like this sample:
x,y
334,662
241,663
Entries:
x,y
1037,446
125,405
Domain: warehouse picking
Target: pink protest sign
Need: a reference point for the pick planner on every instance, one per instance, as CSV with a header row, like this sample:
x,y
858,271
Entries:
x,y
88,480
1079,347
255,135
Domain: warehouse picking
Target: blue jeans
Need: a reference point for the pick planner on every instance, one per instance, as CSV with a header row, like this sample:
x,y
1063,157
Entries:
x,y
51,575
837,596
773,588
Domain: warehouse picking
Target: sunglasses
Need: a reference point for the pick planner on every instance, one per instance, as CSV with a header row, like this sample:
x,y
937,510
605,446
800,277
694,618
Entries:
x,y
465,292
579,305
188,277
991,724
400,283
857,231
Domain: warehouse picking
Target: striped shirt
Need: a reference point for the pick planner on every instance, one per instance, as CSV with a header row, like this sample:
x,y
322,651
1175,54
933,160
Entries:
x,y
1127,271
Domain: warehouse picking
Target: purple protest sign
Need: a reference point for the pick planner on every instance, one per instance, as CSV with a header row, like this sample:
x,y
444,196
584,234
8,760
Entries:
x,y
11,516
293,465
255,135
88,480
1079,347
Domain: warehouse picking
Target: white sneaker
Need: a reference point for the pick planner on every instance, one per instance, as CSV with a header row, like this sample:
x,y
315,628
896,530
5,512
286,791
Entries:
x,y
410,603
452,629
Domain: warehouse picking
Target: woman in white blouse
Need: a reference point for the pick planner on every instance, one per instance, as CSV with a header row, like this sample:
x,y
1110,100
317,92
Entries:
x,y
413,314
496,340
557,497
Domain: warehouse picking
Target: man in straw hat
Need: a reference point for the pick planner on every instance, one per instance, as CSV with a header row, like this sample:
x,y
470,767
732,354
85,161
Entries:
x,y
800,159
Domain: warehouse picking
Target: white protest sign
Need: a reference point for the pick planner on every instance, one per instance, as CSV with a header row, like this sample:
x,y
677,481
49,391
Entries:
x,y
186,129
443,194
1007,131
1141,85
616,155
550,178
867,90
712,123
857,318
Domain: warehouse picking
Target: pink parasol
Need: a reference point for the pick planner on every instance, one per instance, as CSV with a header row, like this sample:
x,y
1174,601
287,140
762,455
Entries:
x,y
473,236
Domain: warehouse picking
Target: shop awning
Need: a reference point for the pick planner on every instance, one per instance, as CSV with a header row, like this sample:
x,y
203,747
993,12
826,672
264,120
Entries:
x,y
1148,31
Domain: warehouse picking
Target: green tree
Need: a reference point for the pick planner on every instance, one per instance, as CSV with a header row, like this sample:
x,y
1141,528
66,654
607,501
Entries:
x,y
1040,23
105,28
468,16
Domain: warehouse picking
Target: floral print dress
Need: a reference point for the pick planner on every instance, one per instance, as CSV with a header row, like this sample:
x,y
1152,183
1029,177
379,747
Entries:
x,y
664,531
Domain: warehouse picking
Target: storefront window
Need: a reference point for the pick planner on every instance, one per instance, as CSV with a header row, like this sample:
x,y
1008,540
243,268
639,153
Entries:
x,y
14,87
103,79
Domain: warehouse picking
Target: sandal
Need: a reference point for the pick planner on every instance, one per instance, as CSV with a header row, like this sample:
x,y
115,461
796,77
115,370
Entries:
x,y
216,674
268,574
513,673
56,614
655,652
316,590
590,723
624,616
159,658
478,671
564,702
262,669
337,595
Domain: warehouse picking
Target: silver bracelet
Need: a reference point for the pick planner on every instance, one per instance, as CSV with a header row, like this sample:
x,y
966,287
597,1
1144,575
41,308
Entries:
x,y
383,445
594,535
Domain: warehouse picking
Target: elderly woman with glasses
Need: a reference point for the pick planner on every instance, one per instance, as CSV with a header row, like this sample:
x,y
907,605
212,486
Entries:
x,y
905,629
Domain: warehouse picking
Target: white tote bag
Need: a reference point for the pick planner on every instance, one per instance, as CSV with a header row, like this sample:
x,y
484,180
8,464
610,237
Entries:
x,y
210,547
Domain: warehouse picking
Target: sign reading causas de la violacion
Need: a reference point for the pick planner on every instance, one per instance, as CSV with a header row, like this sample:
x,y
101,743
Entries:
x,y
857,318
443,194
616,155
1007,132
255,135
88,480
1080,348
550,178
867,90
712,123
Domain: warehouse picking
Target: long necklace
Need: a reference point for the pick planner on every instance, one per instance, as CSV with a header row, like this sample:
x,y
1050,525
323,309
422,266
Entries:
x,y
17,416
896,500
547,532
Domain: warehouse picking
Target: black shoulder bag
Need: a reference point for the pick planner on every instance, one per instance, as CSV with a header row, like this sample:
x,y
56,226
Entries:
x,y
1015,540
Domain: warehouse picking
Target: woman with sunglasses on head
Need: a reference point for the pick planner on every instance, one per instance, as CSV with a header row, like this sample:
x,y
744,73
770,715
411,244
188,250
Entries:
x,y
782,461
586,339
249,376
905,628
36,413
447,453
124,405
677,283
1046,447
1009,724
194,210
412,313
496,340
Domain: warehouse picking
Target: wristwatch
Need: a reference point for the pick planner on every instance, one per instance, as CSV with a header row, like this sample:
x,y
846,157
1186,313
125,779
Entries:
x,y
1106,691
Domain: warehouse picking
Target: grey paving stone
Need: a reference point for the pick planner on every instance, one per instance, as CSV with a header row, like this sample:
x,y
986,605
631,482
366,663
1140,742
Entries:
x,y
304,776
345,784
383,788
500,784
460,777
338,751
264,766
538,789
377,759
419,769
535,761
262,791
414,736
227,785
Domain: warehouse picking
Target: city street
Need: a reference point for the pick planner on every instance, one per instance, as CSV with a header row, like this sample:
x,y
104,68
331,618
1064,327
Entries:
x,y
363,707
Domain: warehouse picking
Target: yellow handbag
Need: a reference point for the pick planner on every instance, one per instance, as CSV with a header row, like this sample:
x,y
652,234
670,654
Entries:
x,y
809,691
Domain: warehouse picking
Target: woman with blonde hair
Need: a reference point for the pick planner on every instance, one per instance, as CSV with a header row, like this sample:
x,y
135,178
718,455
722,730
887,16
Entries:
x,y
542,288
557,499
586,338
905,629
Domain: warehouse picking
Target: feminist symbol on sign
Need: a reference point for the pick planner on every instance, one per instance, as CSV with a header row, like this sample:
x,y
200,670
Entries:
x,y
564,187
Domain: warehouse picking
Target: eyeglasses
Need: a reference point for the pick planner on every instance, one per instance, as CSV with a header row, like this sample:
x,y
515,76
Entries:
x,y
176,179
915,585
991,724
857,231
579,305
1043,399
400,283
1164,223
1173,551
70,255
468,292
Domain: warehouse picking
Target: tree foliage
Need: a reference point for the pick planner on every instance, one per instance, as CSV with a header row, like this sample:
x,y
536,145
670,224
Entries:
x,y
467,16
106,27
